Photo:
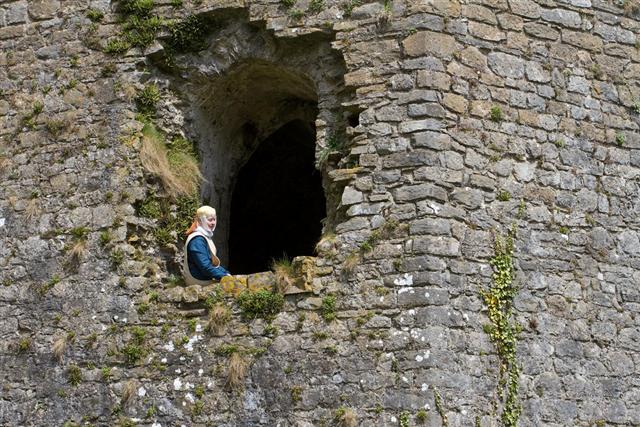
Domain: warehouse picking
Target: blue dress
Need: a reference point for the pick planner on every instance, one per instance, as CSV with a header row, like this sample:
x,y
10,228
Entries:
x,y
199,259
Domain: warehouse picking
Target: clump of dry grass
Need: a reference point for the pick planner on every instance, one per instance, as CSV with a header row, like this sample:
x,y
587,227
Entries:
x,y
351,262
345,417
175,164
236,371
128,391
59,347
219,316
32,209
283,270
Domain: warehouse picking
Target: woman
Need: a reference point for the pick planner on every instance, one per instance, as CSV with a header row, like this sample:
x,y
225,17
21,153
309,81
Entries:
x,y
200,264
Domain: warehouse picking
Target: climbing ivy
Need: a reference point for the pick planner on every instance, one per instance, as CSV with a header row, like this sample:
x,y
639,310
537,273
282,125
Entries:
x,y
503,330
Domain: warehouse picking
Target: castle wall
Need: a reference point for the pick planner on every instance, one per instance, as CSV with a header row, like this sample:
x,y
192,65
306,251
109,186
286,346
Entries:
x,y
461,119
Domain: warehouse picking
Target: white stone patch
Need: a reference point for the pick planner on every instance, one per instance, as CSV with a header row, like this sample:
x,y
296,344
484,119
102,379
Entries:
x,y
465,316
169,346
177,384
2,222
419,358
405,379
124,320
182,359
426,294
163,360
94,317
188,386
190,398
142,392
600,276
198,328
424,387
210,385
178,371
200,372
103,328
405,280
156,425
412,312
194,339
393,419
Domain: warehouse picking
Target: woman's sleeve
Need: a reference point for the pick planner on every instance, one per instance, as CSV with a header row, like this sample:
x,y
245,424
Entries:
x,y
198,252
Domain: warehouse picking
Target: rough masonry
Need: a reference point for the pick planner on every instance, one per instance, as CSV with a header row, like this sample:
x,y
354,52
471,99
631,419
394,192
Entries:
x,y
439,125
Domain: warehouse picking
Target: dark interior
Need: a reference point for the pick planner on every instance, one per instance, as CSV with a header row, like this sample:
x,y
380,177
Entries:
x,y
278,201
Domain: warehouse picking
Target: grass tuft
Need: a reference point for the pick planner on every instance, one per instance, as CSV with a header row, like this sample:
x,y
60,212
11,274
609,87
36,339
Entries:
x,y
237,371
176,166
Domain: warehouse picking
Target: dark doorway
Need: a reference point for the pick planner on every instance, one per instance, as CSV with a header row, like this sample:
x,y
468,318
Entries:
x,y
278,201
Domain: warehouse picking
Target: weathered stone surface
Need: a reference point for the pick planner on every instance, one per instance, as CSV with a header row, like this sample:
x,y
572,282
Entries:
x,y
506,65
43,9
430,43
438,125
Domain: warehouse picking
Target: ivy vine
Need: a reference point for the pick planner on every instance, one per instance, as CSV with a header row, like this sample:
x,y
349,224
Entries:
x,y
503,330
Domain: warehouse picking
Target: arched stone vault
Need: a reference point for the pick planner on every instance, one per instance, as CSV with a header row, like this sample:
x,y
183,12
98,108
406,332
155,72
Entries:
x,y
245,86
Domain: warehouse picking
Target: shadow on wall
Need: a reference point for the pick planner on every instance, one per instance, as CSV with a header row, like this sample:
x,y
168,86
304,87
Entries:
x,y
278,202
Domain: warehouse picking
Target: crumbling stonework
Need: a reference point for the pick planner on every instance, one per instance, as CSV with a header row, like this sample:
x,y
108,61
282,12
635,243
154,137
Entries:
x,y
455,120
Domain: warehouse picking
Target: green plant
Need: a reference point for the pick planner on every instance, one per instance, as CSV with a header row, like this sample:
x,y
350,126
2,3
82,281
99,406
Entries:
x,y
95,15
226,349
150,208
199,391
620,139
147,99
328,308
503,196
296,14
560,143
563,229
197,408
261,303
37,108
176,3
296,393
55,127
636,107
502,330
105,237
116,257
421,416
24,345
74,375
495,113
142,308
403,419
189,34
316,6
288,4
335,143
440,408
348,6
105,373
133,353
116,46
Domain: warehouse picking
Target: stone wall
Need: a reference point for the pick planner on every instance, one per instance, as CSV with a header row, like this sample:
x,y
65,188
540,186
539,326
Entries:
x,y
460,120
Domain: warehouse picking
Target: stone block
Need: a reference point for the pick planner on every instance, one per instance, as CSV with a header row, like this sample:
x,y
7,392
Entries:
x,y
425,43
526,8
567,18
583,40
43,9
506,65
445,246
420,191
